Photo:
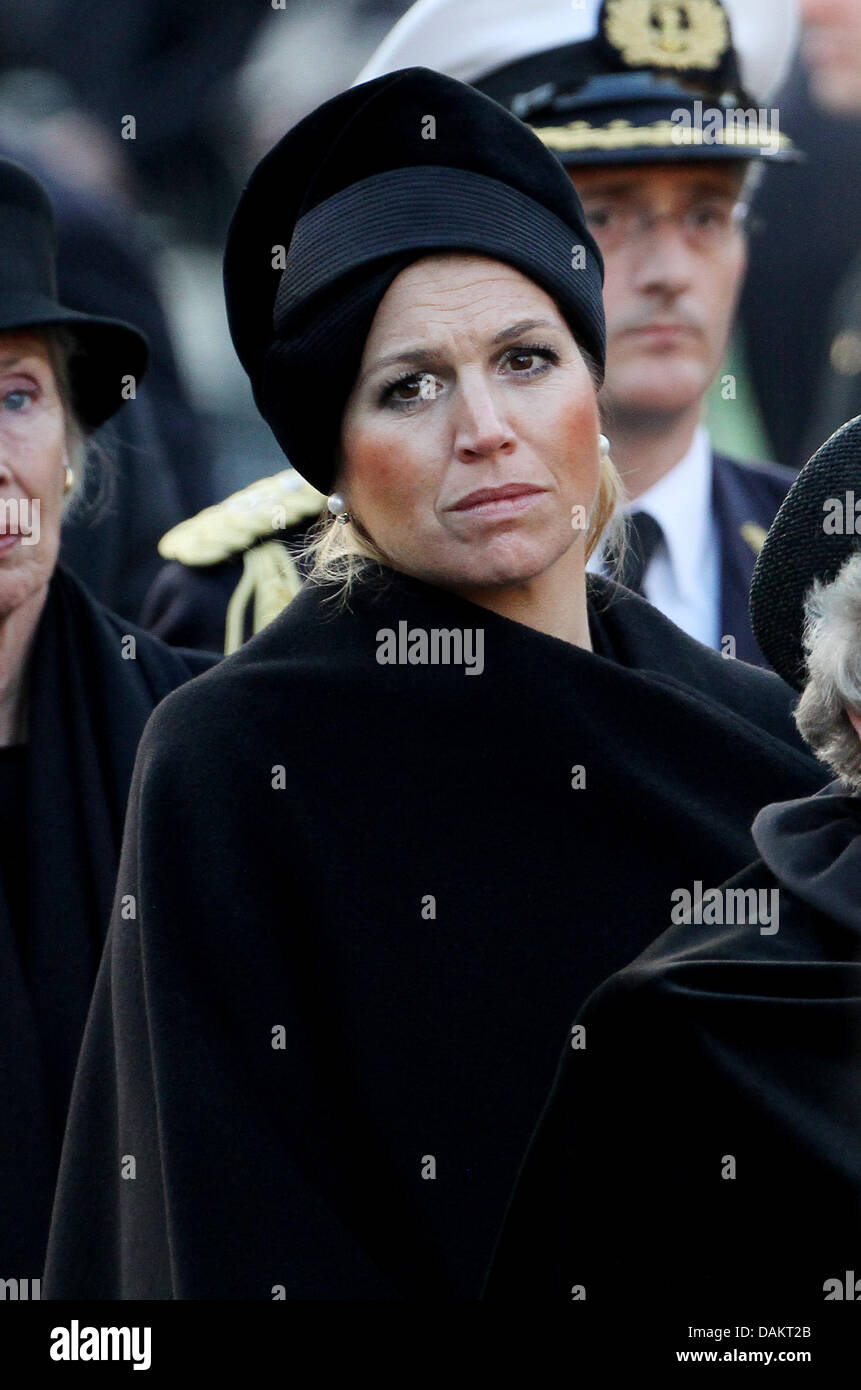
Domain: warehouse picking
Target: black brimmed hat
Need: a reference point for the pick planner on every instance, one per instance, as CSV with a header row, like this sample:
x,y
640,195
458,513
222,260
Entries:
x,y
615,81
812,537
375,179
107,349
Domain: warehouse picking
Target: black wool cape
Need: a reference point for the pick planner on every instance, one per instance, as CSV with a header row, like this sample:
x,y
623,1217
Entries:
x,y
90,694
699,1159
370,900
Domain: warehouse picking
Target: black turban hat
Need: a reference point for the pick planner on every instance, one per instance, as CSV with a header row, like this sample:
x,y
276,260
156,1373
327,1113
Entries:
x,y
816,530
373,180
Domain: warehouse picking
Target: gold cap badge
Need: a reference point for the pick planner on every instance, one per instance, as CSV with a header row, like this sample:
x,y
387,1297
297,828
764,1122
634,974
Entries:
x,y
668,33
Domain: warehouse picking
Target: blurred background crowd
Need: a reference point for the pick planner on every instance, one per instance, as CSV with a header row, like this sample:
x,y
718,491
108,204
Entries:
x,y
210,87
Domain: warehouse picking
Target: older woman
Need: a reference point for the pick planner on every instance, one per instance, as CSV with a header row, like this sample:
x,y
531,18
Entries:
x,y
419,806
704,1145
76,687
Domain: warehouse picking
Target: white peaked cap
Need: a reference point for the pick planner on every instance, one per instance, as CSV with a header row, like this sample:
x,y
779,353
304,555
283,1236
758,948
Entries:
x,y
469,39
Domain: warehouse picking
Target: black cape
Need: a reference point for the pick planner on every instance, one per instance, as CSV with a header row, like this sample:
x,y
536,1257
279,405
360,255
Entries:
x,y
369,903
718,1042
87,708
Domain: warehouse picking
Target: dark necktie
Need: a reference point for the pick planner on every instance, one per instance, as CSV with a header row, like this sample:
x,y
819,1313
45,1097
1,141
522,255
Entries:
x,y
645,535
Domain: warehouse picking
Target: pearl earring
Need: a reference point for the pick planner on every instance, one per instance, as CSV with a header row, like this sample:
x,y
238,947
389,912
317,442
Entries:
x,y
69,479
604,445
338,507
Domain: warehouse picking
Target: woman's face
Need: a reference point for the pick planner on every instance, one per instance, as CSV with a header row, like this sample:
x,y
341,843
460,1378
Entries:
x,y
32,459
470,440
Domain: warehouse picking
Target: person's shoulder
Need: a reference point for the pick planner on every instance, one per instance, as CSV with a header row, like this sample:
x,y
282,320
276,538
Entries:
x,y
258,687
755,694
154,653
652,642
727,687
229,572
195,727
735,942
187,605
117,636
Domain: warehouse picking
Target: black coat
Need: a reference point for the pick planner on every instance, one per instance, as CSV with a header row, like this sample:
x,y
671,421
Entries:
x,y
719,1041
88,706
369,902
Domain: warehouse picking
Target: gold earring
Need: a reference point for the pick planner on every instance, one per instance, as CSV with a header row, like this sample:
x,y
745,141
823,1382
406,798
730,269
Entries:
x,y
70,478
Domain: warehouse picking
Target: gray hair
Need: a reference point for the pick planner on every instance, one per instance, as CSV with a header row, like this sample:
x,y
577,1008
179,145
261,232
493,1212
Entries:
x,y
832,645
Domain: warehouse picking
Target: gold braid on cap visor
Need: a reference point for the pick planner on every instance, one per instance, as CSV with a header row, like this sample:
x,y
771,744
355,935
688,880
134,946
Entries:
x,y
624,135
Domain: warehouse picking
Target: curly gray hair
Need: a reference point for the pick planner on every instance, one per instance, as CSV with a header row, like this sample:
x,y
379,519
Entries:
x,y
832,644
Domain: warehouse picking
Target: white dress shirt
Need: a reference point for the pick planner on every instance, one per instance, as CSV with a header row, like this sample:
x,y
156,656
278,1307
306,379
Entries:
x,y
683,578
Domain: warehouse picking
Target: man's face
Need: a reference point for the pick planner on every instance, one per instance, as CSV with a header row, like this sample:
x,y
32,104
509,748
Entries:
x,y
832,53
675,255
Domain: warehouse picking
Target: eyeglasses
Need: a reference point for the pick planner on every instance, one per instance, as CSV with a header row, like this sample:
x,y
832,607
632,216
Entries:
x,y
708,226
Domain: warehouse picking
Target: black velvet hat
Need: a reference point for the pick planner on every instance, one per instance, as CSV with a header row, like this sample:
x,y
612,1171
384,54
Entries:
x,y
108,349
615,81
816,530
373,180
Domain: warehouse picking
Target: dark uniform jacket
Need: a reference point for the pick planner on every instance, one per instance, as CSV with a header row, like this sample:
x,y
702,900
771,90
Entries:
x,y
745,499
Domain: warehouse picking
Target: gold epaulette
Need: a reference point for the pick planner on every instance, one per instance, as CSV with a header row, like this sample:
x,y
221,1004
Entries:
x,y
270,580
230,527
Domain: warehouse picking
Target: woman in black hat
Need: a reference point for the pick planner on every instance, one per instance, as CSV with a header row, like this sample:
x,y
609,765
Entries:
x,y
77,685
419,806
725,1179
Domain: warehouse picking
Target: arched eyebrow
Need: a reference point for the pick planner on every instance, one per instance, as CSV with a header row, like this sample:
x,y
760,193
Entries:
x,y
516,330
431,357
